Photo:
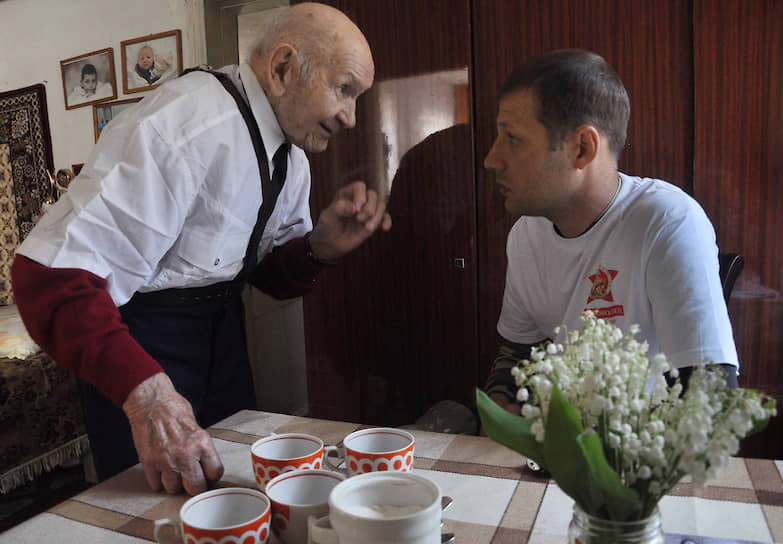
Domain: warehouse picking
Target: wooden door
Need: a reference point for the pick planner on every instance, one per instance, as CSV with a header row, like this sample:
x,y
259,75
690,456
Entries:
x,y
393,329
738,52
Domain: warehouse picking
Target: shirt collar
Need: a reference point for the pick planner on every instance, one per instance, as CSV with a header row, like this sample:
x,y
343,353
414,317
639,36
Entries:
x,y
262,110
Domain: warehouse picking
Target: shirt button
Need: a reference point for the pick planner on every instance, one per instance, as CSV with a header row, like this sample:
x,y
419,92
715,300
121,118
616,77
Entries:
x,y
217,262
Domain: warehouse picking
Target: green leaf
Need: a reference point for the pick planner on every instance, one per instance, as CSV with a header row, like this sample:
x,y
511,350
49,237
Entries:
x,y
508,429
565,458
621,503
578,464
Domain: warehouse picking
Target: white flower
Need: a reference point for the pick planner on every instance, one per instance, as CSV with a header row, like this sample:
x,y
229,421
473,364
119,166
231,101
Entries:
x,y
657,434
637,404
531,412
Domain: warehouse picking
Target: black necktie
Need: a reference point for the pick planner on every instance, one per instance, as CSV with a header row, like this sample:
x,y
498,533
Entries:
x,y
280,164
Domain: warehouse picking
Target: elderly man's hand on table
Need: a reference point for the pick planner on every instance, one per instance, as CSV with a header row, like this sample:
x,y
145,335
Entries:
x,y
174,451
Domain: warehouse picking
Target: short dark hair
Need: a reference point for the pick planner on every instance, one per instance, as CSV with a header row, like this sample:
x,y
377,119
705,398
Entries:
x,y
89,69
574,87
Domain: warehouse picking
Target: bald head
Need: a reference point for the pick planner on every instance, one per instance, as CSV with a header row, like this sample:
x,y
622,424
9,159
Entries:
x,y
315,31
312,62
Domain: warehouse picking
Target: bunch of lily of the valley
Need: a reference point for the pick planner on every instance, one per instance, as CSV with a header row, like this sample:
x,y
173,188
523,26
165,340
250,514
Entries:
x,y
599,415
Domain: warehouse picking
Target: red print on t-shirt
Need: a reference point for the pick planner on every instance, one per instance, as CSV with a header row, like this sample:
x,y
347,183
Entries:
x,y
602,285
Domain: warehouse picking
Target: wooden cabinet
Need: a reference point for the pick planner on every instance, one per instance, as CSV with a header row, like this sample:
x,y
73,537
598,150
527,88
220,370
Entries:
x,y
738,75
409,318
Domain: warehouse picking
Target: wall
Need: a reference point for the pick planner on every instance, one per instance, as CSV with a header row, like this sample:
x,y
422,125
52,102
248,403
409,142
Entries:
x,y
38,34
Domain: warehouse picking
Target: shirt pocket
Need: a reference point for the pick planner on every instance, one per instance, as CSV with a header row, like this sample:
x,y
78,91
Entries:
x,y
208,252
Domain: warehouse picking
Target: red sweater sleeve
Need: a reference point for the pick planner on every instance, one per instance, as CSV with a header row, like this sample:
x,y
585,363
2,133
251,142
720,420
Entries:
x,y
70,314
287,272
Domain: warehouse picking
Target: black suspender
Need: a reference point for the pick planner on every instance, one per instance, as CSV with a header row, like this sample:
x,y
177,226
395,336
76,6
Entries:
x,y
234,287
269,196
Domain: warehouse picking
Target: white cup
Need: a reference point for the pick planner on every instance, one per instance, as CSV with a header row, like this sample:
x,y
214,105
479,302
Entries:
x,y
279,453
220,516
295,496
376,449
382,508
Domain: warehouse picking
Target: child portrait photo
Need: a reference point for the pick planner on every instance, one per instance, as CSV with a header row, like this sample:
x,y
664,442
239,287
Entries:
x,y
150,60
88,78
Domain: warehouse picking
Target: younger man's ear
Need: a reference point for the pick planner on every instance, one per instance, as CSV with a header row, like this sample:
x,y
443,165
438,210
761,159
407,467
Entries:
x,y
585,141
282,68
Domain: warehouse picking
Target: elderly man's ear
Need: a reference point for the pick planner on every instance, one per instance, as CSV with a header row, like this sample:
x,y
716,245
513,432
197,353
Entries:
x,y
282,65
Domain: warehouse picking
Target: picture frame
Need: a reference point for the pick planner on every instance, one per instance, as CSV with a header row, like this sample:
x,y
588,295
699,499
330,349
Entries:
x,y
150,60
76,168
104,112
88,78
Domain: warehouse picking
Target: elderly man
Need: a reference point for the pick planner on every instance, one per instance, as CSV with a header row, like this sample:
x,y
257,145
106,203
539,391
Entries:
x,y
634,250
133,280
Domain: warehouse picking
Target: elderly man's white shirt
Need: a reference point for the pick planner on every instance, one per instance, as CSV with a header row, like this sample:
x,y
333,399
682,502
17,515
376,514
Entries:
x,y
170,193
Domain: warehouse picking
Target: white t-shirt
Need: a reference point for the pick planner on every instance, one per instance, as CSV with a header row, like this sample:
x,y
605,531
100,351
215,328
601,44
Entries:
x,y
651,260
170,193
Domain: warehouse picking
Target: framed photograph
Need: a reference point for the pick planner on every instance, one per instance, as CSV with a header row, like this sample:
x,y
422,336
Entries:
x,y
89,78
106,111
150,60
76,168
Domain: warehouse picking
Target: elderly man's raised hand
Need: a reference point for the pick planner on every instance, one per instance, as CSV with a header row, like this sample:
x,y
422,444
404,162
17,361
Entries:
x,y
354,214
174,451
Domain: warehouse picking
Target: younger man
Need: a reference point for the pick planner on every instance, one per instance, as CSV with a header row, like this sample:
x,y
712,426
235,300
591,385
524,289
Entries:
x,y
635,250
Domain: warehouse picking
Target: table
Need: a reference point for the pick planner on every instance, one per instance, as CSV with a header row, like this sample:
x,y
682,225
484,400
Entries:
x,y
495,499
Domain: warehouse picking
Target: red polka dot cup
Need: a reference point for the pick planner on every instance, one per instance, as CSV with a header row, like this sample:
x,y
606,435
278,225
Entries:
x,y
297,495
377,449
232,515
281,453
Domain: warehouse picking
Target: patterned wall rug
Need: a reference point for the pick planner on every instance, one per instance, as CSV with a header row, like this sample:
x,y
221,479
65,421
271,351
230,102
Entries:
x,y
27,155
9,225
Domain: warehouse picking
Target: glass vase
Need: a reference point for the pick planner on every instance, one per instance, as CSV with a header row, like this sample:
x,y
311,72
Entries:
x,y
587,529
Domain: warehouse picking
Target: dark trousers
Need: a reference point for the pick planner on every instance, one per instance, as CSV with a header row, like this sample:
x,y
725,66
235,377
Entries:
x,y
202,348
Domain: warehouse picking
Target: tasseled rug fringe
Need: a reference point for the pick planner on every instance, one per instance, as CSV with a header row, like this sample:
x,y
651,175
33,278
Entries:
x,y
28,471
